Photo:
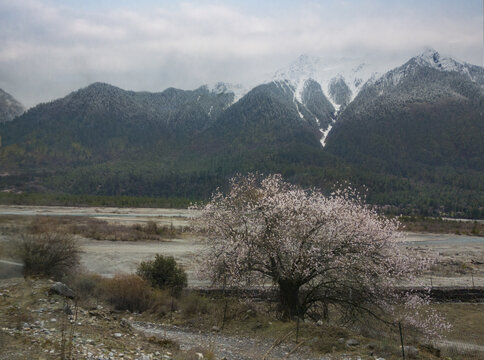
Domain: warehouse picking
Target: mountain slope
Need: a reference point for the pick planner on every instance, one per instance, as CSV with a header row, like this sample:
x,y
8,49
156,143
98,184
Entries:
x,y
267,118
102,122
428,112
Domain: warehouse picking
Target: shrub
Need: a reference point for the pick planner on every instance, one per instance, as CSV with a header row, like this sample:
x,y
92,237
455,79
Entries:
x,y
127,292
163,303
164,273
48,254
151,228
85,284
194,304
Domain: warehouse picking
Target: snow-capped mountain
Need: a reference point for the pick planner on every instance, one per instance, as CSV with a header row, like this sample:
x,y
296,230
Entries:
x,y
341,79
431,59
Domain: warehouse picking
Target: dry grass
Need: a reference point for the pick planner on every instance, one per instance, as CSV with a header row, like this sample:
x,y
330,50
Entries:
x,y
100,229
440,226
467,321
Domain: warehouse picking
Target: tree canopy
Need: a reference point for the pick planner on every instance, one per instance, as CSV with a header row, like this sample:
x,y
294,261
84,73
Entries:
x,y
315,249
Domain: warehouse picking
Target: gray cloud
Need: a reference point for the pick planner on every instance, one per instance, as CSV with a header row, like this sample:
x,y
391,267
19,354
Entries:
x,y
48,50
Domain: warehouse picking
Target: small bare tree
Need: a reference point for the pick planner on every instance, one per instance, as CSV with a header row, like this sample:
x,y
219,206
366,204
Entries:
x,y
48,254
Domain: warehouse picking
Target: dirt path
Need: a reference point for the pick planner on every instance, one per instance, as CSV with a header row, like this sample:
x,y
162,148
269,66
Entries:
x,y
224,346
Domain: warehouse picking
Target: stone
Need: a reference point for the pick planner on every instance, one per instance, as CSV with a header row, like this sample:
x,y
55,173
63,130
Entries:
x,y
341,340
411,351
352,342
67,310
62,289
117,335
215,329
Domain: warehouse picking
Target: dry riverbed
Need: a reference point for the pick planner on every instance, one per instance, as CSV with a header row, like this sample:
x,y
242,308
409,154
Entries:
x,y
460,259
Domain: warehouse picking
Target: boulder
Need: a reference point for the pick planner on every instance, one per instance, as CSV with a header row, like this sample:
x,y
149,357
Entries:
x,y
411,352
352,342
62,290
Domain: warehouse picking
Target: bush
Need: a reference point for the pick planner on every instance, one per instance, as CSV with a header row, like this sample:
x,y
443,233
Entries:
x,y
194,304
127,292
164,273
85,284
48,254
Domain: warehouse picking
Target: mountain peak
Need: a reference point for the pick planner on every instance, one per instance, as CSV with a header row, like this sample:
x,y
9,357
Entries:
x,y
431,58
100,86
9,107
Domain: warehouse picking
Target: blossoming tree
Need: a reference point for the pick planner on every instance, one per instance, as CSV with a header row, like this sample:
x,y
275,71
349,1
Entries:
x,y
315,249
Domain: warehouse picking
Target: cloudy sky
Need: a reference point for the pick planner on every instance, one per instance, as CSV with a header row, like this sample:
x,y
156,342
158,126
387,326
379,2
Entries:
x,y
51,47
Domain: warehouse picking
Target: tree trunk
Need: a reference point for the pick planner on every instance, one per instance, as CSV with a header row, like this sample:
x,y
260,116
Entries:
x,y
289,299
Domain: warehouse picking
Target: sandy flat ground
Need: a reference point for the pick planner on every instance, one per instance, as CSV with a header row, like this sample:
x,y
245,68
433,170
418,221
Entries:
x,y
109,258
462,256
126,216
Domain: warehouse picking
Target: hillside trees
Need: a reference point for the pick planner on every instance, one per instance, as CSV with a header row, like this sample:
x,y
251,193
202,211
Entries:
x,y
315,249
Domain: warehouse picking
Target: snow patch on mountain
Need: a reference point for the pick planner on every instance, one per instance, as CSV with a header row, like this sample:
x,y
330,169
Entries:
x,y
324,134
223,88
354,72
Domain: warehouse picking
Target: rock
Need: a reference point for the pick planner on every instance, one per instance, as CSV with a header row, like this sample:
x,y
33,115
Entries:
x,y
352,342
320,323
411,351
117,335
371,346
67,310
313,341
62,289
124,323
432,349
215,329
258,325
200,355
341,340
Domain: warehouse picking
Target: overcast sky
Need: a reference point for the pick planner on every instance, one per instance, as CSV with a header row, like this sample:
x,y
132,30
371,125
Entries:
x,y
49,48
